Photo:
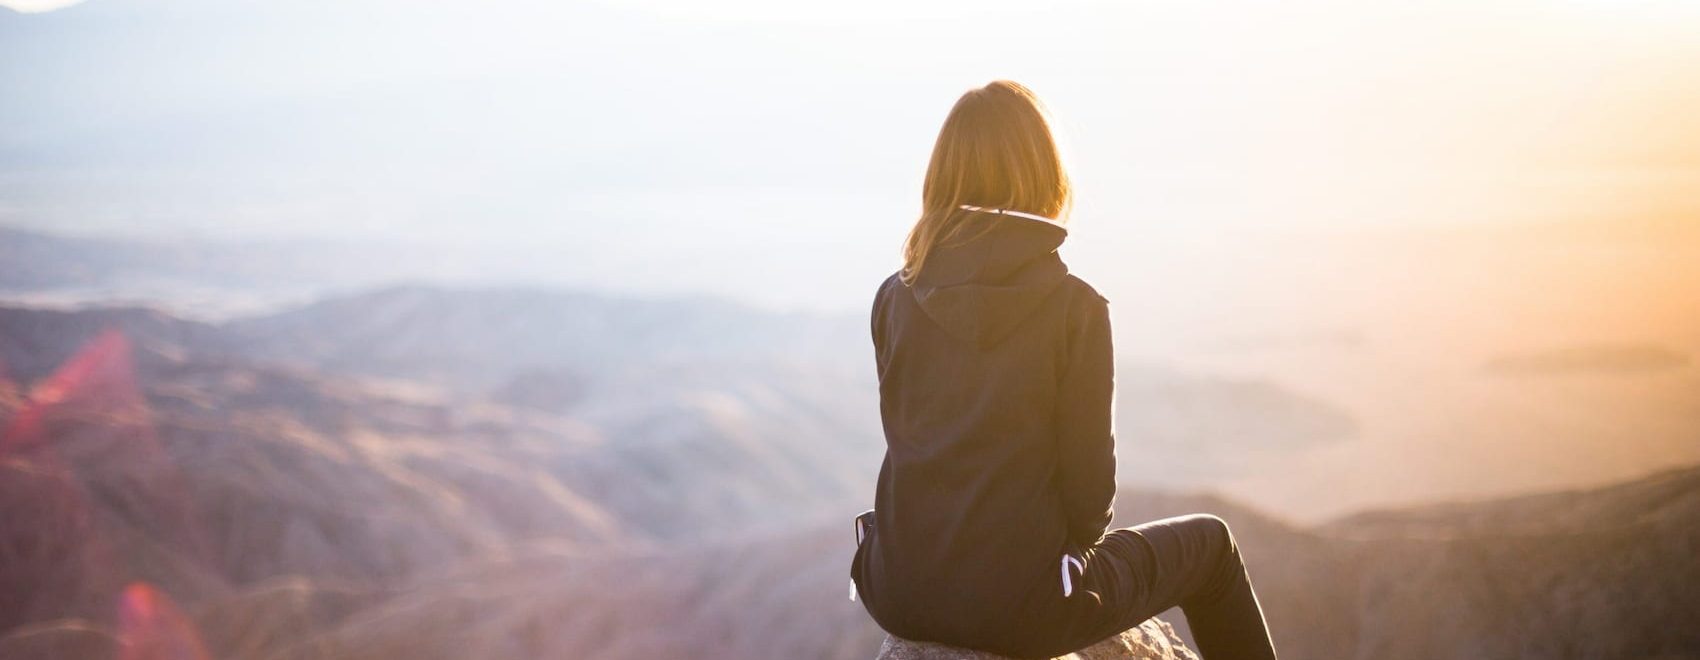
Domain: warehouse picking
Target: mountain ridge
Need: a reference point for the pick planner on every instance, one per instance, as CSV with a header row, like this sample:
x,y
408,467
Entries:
x,y
295,511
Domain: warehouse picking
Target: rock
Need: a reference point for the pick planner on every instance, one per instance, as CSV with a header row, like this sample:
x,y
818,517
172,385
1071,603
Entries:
x,y
1153,640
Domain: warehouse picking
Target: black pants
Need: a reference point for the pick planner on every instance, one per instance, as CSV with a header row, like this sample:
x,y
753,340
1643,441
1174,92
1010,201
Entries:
x,y
1138,572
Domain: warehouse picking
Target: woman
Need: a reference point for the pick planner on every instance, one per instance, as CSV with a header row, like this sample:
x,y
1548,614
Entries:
x,y
996,385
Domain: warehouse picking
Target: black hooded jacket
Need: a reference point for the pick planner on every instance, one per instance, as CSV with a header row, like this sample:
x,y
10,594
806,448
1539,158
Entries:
x,y
996,383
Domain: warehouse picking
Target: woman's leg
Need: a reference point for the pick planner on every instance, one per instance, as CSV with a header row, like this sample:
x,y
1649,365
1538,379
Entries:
x,y
1190,561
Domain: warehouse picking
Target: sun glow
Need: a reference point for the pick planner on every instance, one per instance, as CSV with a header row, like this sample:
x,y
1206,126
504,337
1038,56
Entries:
x,y
37,6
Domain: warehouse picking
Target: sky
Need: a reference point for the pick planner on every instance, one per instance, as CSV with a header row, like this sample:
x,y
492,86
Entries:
x,y
772,151
1362,202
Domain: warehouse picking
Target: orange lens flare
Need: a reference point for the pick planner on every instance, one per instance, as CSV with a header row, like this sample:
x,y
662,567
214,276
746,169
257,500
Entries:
x,y
150,627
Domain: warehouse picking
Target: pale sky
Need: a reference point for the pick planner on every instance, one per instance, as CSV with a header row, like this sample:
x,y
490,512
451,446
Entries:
x,y
32,6
728,141
1360,202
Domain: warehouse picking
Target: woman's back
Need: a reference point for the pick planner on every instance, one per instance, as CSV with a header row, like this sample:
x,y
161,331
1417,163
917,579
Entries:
x,y
997,381
995,390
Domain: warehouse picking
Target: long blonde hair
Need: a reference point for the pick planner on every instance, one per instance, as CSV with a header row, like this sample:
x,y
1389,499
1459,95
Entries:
x,y
995,151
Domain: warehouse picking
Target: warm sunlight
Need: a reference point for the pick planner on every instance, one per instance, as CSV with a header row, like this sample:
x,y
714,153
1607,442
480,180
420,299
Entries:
x,y
33,6
344,329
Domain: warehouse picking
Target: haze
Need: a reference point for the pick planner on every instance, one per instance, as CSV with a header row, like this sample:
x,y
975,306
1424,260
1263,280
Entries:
x,y
1417,189
372,328
755,139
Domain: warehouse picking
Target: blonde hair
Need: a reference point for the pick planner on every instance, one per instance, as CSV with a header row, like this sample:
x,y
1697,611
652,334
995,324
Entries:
x,y
995,151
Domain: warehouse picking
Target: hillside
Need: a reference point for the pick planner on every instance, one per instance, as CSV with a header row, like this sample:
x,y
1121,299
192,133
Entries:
x,y
478,338
207,276
310,505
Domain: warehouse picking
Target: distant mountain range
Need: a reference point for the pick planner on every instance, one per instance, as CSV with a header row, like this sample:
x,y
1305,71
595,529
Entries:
x,y
614,359
300,489
227,272
224,278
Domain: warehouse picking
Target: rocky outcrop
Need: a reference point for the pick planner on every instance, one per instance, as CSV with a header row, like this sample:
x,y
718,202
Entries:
x,y
1153,640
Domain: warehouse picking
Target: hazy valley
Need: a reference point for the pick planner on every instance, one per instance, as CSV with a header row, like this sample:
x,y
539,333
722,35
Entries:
x,y
370,329
680,487
532,471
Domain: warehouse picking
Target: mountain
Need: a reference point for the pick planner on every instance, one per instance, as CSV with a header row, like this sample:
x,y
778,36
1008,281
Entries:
x,y
479,338
633,362
208,277
1594,573
34,341
219,486
1185,429
1606,573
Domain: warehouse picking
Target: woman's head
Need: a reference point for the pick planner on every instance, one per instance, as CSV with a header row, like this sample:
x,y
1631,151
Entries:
x,y
995,151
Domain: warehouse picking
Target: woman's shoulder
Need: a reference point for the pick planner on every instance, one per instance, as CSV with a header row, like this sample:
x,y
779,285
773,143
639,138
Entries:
x,y
893,282
1084,308
1080,293
882,295
895,279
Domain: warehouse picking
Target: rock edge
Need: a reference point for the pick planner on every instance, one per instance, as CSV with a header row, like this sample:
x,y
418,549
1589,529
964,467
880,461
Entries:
x,y
1153,640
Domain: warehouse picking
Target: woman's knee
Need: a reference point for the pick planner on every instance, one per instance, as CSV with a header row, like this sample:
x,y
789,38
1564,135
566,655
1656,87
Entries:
x,y
1210,523
1215,529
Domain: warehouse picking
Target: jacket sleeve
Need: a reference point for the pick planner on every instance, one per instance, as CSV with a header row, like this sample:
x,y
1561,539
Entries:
x,y
876,327
1086,442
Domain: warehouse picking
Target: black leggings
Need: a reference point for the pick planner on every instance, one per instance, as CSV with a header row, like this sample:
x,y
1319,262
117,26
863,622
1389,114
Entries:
x,y
1191,561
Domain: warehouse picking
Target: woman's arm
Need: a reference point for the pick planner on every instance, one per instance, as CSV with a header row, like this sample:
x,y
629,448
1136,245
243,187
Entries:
x,y
876,324
1086,443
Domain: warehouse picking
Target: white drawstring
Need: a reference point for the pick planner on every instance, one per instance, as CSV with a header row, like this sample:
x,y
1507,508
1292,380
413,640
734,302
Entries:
x,y
861,533
1067,580
1018,214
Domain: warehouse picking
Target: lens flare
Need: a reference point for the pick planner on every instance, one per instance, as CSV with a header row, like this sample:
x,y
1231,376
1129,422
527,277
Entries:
x,y
150,627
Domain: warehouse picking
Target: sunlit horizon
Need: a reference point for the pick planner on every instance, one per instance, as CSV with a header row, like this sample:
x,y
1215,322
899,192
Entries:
x,y
262,120
377,328
1314,195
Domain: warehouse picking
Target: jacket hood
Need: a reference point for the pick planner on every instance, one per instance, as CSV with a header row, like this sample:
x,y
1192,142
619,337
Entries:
x,y
980,290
